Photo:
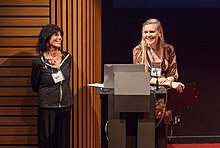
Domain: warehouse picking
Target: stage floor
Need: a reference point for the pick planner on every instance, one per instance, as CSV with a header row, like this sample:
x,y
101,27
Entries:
x,y
193,146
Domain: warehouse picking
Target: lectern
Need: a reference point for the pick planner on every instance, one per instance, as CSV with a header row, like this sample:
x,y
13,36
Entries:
x,y
131,106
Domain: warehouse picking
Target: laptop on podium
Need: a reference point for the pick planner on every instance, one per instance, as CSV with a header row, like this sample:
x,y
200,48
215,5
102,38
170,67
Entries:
x,y
110,69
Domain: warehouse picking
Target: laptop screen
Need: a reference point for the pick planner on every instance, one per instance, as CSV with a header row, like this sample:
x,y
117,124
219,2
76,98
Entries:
x,y
109,70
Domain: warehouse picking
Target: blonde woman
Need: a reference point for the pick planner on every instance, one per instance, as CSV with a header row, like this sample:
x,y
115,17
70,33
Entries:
x,y
160,60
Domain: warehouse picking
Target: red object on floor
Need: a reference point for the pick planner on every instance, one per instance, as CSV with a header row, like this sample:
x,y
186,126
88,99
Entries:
x,y
193,146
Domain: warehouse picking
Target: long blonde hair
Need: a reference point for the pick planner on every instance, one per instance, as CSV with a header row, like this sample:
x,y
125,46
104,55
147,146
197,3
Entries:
x,y
161,41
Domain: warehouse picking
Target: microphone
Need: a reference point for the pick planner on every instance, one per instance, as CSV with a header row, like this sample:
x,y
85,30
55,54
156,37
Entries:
x,y
154,68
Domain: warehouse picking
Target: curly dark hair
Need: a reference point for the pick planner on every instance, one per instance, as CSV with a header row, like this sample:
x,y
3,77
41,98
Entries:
x,y
45,35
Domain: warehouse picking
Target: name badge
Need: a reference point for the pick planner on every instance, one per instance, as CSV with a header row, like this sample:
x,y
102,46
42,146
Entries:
x,y
58,77
156,72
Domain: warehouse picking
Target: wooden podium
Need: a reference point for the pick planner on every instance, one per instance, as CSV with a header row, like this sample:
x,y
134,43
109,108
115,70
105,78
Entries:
x,y
131,108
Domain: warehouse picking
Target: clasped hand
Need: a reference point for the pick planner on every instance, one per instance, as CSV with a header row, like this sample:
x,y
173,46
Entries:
x,y
169,81
178,86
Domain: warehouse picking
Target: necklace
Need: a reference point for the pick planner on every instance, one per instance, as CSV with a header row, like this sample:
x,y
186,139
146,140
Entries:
x,y
53,57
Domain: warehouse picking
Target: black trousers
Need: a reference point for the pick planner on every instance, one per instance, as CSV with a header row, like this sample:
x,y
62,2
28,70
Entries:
x,y
54,128
161,133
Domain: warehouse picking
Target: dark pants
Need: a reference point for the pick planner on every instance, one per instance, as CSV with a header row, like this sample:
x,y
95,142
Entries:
x,y
161,136
54,128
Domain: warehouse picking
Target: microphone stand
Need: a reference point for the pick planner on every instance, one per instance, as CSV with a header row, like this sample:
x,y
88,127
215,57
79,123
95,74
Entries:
x,y
157,82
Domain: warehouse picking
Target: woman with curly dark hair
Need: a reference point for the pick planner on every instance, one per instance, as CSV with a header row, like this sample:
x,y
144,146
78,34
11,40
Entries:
x,y
50,79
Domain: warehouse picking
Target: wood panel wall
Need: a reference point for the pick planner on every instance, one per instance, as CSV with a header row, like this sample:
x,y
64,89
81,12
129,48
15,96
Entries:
x,y
20,23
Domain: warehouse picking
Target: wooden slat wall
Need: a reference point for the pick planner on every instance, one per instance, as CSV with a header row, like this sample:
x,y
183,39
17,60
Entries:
x,y
81,22
20,23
